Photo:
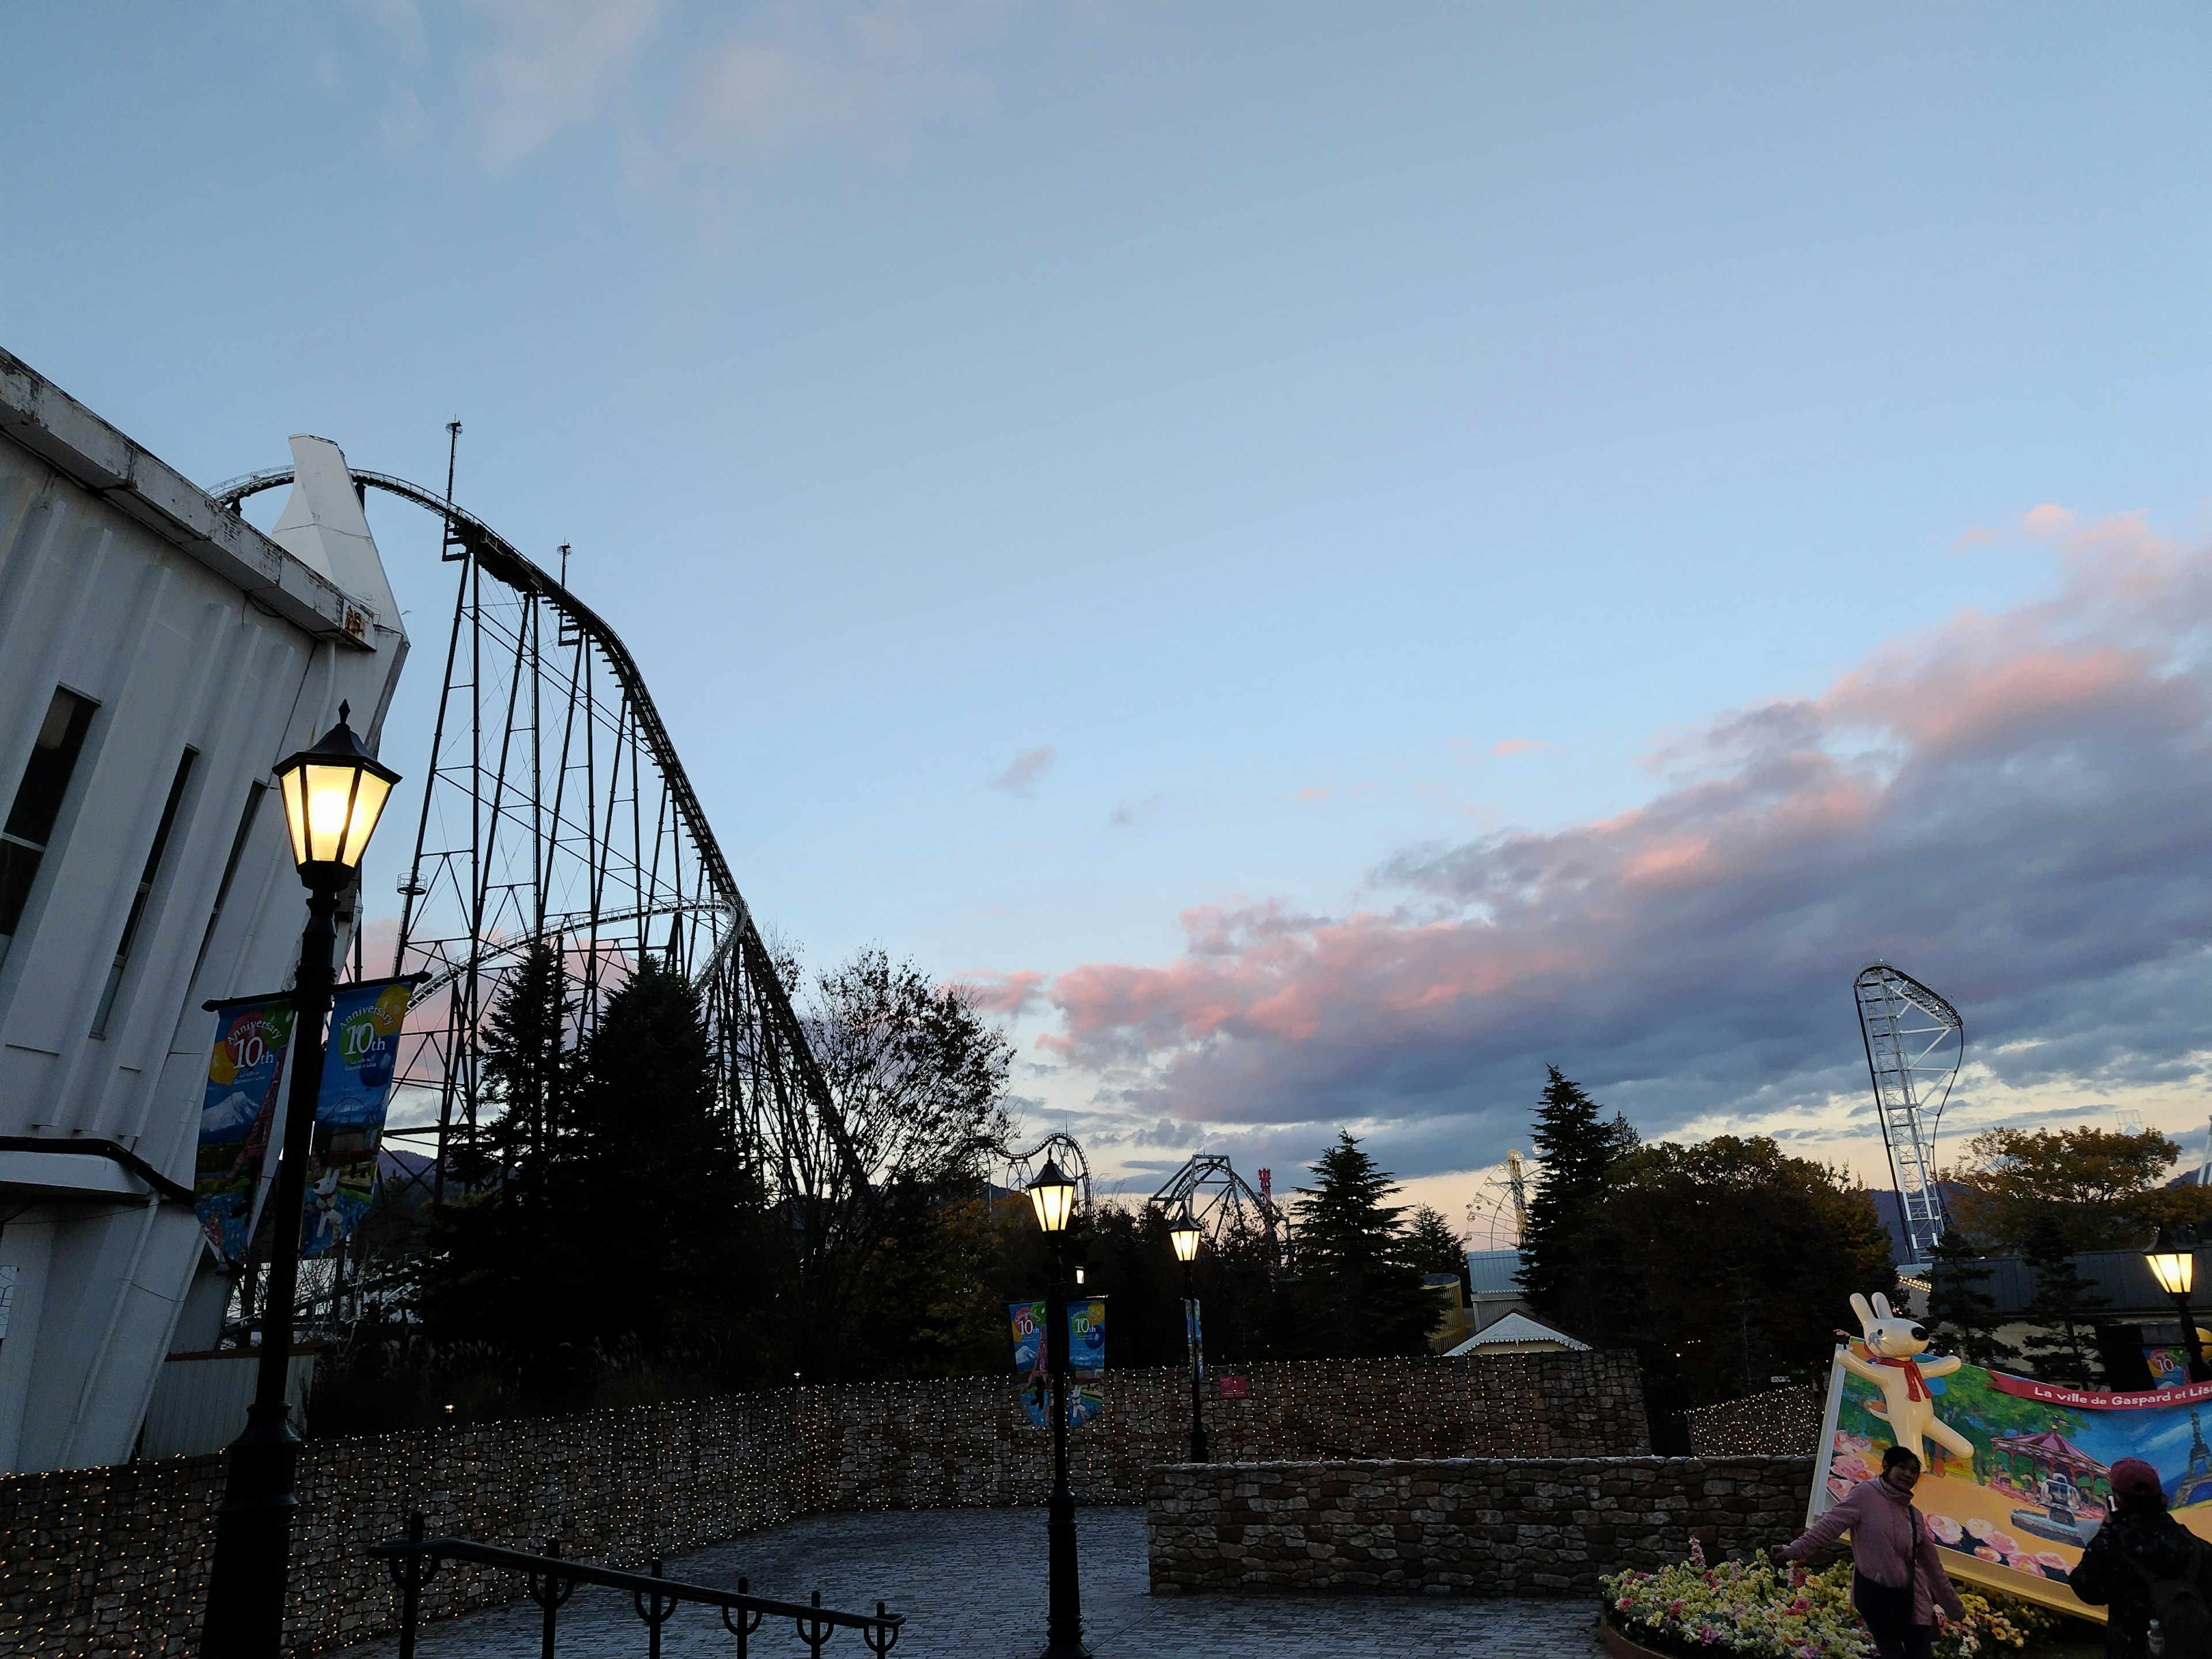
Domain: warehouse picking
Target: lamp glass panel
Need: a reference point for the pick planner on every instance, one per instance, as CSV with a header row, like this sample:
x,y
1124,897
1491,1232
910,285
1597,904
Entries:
x,y
367,807
329,808
1052,1199
294,787
2176,1271
1186,1239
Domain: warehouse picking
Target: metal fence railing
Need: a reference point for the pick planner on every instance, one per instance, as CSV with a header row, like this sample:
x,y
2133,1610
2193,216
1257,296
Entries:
x,y
550,1581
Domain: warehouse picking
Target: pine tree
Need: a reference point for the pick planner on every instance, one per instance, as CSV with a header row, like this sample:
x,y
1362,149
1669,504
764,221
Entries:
x,y
1564,1255
1963,1313
527,1066
2064,1346
658,1187
1434,1248
1361,1298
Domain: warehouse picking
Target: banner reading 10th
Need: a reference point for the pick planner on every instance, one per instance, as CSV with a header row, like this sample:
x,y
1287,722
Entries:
x,y
1086,1353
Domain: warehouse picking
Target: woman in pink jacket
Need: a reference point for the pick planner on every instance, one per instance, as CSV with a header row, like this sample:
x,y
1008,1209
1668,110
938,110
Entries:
x,y
1898,1581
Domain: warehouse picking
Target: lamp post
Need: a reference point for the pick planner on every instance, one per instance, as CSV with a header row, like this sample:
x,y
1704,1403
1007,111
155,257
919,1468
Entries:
x,y
334,793
2173,1261
1186,1234
1054,1196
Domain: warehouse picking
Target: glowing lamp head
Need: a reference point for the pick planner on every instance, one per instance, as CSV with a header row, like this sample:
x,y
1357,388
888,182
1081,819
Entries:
x,y
333,794
1054,1195
1185,1235
2172,1259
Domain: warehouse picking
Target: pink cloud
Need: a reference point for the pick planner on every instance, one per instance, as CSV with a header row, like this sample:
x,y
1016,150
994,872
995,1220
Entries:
x,y
2018,805
1312,792
1518,746
1010,995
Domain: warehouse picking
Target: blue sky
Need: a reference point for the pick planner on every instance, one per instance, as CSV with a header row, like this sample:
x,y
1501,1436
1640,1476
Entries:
x,y
1345,439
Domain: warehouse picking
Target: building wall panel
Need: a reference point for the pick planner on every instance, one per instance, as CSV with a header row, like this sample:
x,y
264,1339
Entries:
x,y
123,582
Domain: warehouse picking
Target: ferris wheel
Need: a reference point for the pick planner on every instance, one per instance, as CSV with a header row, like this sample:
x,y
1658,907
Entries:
x,y
1497,1216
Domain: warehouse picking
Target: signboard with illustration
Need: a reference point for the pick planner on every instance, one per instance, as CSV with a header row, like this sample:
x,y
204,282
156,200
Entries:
x,y
2168,1362
245,1075
357,1068
1086,1352
2016,1472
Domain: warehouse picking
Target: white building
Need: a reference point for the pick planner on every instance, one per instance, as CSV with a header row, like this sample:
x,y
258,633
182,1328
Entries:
x,y
158,656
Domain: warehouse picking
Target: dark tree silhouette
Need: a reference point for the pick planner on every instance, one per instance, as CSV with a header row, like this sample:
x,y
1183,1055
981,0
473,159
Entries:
x,y
1360,1296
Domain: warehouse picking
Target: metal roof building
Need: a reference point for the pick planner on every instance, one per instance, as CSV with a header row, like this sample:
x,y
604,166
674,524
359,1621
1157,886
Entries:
x,y
158,655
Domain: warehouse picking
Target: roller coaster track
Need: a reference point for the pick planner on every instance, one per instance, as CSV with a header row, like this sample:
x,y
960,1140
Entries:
x,y
512,853
1915,1043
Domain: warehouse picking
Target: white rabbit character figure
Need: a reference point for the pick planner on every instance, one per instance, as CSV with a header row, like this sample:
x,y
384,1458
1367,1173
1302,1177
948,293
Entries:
x,y
1893,1343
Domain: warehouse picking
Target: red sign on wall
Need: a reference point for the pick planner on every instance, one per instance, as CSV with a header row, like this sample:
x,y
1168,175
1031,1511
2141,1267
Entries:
x,y
1231,1385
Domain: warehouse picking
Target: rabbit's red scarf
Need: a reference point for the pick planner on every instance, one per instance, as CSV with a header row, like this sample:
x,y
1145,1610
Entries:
x,y
1914,1388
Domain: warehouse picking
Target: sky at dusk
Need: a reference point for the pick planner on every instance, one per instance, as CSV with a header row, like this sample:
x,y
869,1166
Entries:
x,y
1324,558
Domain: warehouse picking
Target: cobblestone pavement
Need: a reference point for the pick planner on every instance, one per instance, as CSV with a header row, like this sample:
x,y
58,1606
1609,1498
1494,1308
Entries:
x,y
971,1584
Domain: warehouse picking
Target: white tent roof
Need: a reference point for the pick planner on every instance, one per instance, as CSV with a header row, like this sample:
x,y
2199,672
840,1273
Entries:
x,y
1514,1328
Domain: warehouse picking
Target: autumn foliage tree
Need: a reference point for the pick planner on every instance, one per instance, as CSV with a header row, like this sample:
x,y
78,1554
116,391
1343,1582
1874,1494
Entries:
x,y
2105,1188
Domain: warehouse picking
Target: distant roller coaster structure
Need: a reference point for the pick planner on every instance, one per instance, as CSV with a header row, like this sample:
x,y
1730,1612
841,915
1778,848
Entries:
x,y
556,812
1224,1205
1915,1041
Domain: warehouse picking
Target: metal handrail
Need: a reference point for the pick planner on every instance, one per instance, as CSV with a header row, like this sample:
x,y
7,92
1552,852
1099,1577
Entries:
x,y
550,1581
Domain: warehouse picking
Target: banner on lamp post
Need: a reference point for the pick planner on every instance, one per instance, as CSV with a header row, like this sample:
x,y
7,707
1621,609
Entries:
x,y
239,1111
1194,1336
1086,1353
357,1090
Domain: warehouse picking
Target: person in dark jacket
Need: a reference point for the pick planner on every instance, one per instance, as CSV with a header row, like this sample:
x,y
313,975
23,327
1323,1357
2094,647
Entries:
x,y
2141,1531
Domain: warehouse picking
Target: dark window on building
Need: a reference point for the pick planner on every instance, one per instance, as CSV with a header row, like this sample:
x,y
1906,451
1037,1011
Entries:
x,y
145,891
38,797
230,869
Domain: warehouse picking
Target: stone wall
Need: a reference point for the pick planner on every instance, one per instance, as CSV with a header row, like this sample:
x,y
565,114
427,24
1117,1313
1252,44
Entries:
x,y
1474,1525
113,1561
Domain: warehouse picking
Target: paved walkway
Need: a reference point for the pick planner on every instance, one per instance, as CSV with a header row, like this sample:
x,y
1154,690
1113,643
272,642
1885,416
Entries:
x,y
971,1584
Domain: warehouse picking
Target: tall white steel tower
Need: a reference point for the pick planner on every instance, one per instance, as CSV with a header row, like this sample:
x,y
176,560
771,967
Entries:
x,y
1915,1042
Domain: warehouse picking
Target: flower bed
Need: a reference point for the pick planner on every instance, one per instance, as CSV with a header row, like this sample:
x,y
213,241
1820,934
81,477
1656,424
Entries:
x,y
1775,1610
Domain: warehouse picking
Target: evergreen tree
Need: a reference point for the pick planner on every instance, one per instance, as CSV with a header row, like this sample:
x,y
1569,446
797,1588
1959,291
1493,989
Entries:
x,y
1434,1248
495,1267
527,1066
1962,1313
1361,1298
2064,1346
1567,1264
657,1188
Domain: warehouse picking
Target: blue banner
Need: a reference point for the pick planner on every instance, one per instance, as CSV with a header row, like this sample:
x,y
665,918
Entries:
x,y
238,1112
357,1068
1086,1352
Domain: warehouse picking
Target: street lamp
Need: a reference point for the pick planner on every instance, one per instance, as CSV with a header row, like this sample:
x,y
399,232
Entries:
x,y
333,794
1054,1196
2172,1261
1186,1235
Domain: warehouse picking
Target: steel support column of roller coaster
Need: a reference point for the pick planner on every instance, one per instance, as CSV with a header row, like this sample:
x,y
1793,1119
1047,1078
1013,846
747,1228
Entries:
x,y
556,812
1914,1041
